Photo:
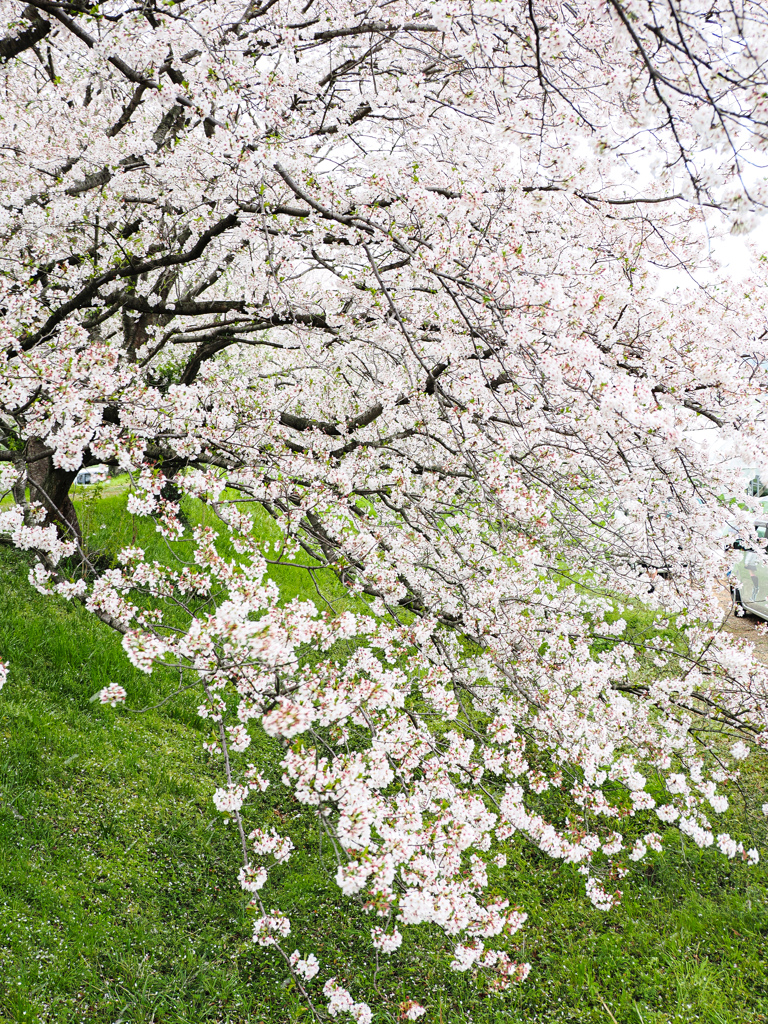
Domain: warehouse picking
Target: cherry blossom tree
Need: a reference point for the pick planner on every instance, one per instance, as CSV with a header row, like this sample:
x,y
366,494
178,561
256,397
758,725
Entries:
x,y
432,287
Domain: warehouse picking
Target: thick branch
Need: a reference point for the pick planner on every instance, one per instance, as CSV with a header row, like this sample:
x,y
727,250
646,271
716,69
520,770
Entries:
x,y
134,269
11,46
374,26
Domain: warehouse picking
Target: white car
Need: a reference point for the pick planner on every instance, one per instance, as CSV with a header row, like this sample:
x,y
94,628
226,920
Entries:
x,y
749,577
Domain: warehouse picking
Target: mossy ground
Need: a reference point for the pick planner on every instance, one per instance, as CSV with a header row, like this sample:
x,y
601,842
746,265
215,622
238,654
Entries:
x,y
118,894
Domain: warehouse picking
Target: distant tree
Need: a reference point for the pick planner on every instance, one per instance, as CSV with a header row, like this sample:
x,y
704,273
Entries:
x,y
431,285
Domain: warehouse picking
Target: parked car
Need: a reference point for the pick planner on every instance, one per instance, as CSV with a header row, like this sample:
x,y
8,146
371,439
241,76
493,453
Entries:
x,y
92,475
749,577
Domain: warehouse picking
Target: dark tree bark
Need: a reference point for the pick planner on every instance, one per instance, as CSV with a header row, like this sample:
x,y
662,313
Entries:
x,y
19,490
13,45
50,486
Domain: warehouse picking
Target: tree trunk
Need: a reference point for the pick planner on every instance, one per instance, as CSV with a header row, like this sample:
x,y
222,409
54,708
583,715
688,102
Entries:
x,y
19,489
50,486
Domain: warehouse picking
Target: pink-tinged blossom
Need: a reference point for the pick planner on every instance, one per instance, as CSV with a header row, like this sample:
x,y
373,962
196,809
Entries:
x,y
667,813
112,695
9,474
352,877
141,504
614,844
465,956
252,878
255,780
386,942
69,589
306,969
269,929
728,846
411,1010
230,799
700,834
600,897
638,851
287,719
340,1001
143,649
642,800
271,843
653,841
677,784
239,740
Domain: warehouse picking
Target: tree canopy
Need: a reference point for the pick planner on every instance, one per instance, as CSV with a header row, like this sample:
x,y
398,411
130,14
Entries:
x,y
431,285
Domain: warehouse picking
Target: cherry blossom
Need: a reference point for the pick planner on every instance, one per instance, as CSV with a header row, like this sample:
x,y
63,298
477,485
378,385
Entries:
x,y
425,299
112,695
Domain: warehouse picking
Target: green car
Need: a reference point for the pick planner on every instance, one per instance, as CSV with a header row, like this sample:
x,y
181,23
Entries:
x,y
749,577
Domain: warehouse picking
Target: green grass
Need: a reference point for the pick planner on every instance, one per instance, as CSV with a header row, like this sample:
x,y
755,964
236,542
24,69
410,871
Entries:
x,y
107,527
118,894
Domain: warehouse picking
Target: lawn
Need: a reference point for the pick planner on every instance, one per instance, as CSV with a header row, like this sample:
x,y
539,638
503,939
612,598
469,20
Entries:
x,y
118,894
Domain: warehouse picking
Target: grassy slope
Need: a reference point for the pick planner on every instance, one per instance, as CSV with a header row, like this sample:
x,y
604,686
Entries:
x,y
117,900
